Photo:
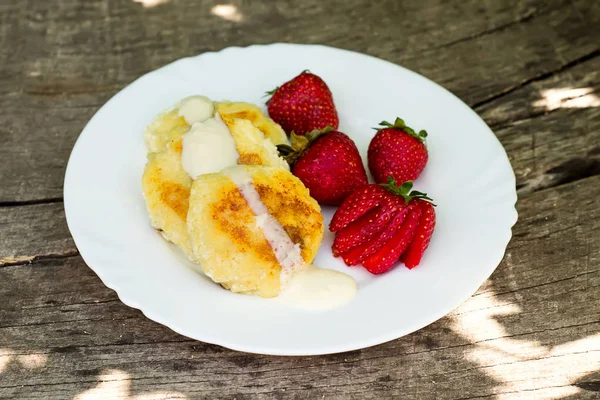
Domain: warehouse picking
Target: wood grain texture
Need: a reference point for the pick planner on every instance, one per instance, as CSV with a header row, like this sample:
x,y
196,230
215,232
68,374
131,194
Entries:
x,y
69,58
551,127
530,68
548,145
531,321
34,232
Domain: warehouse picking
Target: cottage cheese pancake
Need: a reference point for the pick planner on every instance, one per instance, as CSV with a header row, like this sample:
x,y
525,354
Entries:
x,y
234,238
172,123
207,146
252,113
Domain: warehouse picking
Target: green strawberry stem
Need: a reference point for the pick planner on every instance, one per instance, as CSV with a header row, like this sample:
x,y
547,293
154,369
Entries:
x,y
405,190
399,124
270,93
300,144
316,133
285,149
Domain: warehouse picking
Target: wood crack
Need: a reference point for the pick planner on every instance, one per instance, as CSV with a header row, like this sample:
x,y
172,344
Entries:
x,y
568,172
537,78
49,200
27,260
527,17
65,322
83,303
496,294
524,242
508,123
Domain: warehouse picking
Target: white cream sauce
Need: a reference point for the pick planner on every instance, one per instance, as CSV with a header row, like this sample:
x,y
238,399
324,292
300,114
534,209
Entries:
x,y
208,147
196,109
318,289
304,287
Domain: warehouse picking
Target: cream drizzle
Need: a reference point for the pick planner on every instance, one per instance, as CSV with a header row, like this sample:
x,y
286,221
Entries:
x,y
287,253
311,288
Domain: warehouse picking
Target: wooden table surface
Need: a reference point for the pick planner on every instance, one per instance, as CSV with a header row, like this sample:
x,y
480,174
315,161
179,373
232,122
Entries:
x,y
530,68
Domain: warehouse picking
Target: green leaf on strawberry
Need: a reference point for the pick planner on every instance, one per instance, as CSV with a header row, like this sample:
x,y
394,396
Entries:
x,y
399,124
405,190
299,144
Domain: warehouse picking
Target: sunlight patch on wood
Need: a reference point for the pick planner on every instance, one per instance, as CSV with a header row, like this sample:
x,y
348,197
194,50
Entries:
x,y
228,12
150,3
116,384
522,365
32,361
27,361
553,99
5,358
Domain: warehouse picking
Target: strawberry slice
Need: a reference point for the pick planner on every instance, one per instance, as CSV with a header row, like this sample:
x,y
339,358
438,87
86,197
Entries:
x,y
360,253
383,260
365,228
414,252
360,202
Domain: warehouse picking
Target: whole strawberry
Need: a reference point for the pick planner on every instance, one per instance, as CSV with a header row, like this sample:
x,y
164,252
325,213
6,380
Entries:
x,y
328,164
377,225
397,151
303,104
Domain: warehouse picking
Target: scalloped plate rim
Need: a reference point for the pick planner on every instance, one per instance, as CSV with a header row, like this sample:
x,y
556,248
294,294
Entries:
x,y
164,320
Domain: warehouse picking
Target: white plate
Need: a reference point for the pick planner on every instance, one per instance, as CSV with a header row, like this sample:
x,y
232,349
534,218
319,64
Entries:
x,y
468,175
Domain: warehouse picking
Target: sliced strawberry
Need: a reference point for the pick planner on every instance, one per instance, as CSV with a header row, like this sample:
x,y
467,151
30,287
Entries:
x,y
412,256
386,257
365,228
360,253
360,202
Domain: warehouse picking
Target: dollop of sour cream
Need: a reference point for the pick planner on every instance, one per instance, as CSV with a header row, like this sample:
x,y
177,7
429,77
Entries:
x,y
303,286
196,109
318,289
208,147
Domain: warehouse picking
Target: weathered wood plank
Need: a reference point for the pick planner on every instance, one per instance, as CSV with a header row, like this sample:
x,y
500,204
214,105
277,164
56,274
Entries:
x,y
536,318
71,57
576,87
555,148
551,128
531,331
29,232
546,148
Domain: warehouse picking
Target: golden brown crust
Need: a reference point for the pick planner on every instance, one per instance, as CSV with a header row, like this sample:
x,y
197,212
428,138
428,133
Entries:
x,y
166,189
250,159
225,236
175,196
233,217
167,186
254,114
